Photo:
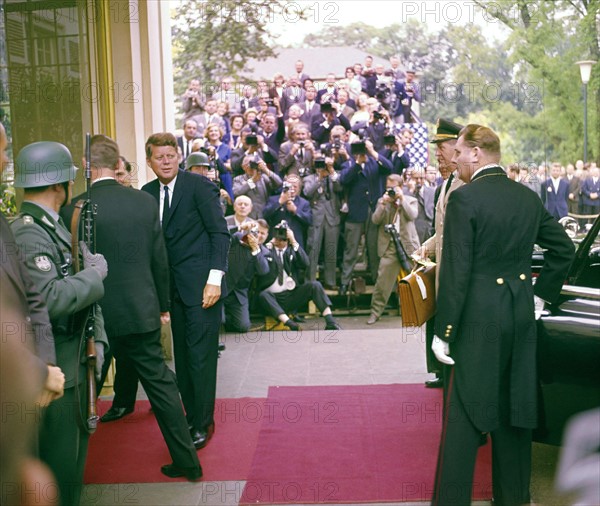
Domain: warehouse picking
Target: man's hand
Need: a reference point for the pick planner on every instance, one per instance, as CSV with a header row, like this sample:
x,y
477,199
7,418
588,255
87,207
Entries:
x,y
291,238
210,295
291,207
165,318
99,359
441,350
420,254
93,261
54,387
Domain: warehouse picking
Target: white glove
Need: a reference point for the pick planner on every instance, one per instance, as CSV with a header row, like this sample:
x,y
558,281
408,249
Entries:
x,y
539,305
441,350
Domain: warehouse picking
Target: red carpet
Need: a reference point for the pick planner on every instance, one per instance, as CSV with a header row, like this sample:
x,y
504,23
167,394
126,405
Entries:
x,y
351,444
131,450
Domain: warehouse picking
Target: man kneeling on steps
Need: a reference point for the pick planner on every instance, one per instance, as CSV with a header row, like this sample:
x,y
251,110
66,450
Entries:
x,y
280,290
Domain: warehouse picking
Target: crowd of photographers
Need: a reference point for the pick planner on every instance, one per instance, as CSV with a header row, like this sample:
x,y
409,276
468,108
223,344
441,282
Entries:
x,y
315,156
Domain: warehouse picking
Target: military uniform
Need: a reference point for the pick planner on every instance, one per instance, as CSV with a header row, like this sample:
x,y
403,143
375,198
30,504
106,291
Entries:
x,y
45,245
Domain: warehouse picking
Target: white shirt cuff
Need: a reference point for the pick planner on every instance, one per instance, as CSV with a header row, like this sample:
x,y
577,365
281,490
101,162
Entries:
x,y
214,277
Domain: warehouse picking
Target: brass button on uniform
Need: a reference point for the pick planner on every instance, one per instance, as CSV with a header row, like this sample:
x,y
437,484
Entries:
x,y
522,277
500,281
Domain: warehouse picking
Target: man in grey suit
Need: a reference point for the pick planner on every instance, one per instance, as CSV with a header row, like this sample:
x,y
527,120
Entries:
x,y
425,196
401,212
323,190
258,183
296,156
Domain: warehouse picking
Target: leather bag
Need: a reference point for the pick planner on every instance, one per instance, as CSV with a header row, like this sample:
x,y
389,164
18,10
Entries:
x,y
417,296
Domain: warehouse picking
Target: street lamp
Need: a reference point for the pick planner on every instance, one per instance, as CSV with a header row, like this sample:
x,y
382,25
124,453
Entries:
x,y
585,69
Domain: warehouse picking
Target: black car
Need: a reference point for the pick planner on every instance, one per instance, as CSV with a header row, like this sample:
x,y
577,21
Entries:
x,y
569,342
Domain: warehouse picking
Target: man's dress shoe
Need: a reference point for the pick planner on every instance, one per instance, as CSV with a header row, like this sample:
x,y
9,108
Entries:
x,y
332,325
435,383
372,319
115,413
200,438
173,471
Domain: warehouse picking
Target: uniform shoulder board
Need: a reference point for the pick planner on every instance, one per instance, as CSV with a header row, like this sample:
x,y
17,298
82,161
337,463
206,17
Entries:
x,y
27,220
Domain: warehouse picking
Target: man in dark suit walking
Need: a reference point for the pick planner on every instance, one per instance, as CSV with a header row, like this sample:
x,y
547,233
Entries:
x,y
485,320
197,242
555,193
136,300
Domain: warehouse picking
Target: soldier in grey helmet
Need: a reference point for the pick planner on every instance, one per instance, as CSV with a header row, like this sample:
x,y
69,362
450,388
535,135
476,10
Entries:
x,y
46,172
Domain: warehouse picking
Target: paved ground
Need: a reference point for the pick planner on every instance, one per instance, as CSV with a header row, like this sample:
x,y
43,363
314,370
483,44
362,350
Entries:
x,y
382,354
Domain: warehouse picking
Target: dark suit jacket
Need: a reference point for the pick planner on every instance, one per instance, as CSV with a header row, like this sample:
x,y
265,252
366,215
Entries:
x,y
20,296
320,134
180,144
274,212
129,236
293,262
485,298
364,186
243,266
588,187
557,203
195,234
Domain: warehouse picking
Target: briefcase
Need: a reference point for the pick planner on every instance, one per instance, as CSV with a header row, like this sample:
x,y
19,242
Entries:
x,y
417,296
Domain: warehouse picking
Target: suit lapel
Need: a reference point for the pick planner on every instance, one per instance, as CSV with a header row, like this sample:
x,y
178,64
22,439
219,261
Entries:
x,y
177,194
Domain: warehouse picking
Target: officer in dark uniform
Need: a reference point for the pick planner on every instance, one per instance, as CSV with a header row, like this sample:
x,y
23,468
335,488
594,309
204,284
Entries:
x,y
46,171
485,325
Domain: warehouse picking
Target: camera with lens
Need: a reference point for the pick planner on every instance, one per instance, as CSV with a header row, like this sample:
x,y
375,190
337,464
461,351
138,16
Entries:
x,y
337,142
320,163
253,231
269,101
252,139
254,163
301,144
304,171
286,187
391,193
280,231
389,228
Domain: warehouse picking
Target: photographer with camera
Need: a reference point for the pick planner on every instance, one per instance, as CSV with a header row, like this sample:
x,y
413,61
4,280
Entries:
x,y
395,145
361,178
337,148
323,191
322,125
252,144
379,125
246,259
289,206
192,102
258,183
281,292
395,213
407,92
296,156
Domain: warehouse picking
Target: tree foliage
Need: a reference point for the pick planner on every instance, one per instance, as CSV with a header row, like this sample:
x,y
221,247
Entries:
x,y
527,88
216,38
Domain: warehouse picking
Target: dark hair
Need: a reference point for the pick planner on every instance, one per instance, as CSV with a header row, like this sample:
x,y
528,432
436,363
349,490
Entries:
x,y
262,223
104,152
160,139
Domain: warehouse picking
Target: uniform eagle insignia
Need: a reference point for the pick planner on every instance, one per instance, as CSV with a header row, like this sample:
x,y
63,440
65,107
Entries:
x,y
43,263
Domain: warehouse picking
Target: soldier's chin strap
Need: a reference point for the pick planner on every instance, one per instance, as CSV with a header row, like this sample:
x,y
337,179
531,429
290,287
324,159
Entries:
x,y
66,185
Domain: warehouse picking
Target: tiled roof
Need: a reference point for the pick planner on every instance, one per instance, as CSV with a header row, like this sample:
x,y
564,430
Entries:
x,y
318,62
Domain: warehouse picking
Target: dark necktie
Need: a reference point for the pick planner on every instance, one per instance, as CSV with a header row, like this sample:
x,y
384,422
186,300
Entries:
x,y
279,262
166,207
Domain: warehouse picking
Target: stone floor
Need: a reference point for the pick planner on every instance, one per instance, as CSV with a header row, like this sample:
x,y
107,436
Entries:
x,y
380,354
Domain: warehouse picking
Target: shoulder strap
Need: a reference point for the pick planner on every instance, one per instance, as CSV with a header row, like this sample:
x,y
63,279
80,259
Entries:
x,y
65,263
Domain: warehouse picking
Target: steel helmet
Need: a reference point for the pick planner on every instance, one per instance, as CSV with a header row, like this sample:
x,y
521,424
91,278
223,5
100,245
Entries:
x,y
43,164
196,159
